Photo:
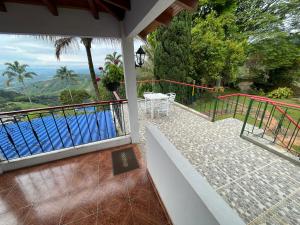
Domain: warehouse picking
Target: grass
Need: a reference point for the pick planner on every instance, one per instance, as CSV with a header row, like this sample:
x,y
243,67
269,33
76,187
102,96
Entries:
x,y
296,148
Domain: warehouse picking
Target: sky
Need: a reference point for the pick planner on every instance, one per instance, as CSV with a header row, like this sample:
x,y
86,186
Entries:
x,y
40,54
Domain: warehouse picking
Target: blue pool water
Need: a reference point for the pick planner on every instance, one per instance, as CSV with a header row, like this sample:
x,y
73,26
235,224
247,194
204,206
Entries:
x,y
48,134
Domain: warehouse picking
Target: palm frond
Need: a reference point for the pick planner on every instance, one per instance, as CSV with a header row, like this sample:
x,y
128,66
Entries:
x,y
64,44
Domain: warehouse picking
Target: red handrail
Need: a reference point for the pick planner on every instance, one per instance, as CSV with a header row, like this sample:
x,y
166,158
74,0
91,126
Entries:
x,y
173,82
63,107
261,98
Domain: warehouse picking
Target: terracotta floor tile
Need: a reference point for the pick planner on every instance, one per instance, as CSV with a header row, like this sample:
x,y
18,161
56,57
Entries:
x,y
7,181
47,213
89,220
13,200
14,217
117,211
80,191
81,204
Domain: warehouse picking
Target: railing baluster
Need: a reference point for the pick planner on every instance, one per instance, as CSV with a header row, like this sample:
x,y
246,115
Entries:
x,y
288,127
21,132
114,118
87,121
10,137
68,127
78,125
3,153
56,126
256,115
34,133
279,126
43,122
296,130
269,120
105,122
123,120
97,124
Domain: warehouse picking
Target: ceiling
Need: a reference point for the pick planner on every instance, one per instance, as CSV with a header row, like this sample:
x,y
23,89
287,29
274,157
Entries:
x,y
116,8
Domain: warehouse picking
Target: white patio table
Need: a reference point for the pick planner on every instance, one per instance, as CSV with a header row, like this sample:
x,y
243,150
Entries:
x,y
154,98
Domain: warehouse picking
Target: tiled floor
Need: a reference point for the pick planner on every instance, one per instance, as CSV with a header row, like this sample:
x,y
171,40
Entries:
x,y
79,191
260,186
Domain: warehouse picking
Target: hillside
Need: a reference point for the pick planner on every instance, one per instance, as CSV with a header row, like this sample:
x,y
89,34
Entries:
x,y
53,87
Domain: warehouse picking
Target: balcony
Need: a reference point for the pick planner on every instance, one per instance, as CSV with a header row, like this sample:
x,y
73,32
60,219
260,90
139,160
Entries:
x,y
80,190
262,187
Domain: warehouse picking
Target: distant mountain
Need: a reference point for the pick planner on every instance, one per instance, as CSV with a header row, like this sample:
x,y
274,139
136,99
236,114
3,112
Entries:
x,y
53,87
43,74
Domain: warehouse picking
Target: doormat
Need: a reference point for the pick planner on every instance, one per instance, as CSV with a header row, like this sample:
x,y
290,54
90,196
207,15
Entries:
x,y
124,160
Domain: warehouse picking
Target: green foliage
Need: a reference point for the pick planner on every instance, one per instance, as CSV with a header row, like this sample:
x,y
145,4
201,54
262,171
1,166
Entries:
x,y
217,51
17,72
63,73
79,96
281,93
274,62
114,74
144,87
172,49
113,58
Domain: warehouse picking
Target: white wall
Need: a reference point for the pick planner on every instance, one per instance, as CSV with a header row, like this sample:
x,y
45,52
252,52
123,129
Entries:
x,y
30,19
187,196
63,153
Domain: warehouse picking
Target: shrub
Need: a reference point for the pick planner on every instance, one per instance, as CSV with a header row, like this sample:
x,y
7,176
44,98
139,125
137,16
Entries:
x,y
281,93
143,87
79,96
113,76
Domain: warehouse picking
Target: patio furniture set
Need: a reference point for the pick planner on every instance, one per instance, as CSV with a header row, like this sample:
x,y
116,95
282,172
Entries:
x,y
158,103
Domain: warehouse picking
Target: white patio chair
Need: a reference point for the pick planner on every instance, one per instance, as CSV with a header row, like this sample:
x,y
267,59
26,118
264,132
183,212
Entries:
x,y
163,107
172,97
147,106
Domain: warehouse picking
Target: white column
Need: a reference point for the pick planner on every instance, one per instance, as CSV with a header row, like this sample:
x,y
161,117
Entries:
x,y
130,85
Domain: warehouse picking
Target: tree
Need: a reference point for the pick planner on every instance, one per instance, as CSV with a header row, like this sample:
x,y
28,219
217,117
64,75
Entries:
x,y
16,71
265,18
217,48
79,96
172,50
65,43
114,58
64,74
274,62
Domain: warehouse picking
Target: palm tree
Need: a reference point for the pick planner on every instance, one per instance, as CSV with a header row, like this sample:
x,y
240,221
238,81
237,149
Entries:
x,y
114,58
62,45
64,74
16,71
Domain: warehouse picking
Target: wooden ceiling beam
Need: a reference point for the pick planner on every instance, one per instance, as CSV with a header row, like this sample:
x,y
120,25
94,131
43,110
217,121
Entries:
x,y
187,4
51,6
94,9
166,17
104,6
123,4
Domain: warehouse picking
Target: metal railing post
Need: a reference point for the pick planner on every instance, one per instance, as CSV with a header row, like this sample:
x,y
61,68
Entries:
x,y
236,105
215,110
246,117
263,115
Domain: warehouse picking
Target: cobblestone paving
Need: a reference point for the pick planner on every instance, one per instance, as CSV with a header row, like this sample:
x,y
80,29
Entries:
x,y
260,186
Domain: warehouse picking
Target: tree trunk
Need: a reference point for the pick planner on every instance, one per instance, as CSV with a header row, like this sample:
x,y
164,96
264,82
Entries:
x,y
28,96
87,44
70,94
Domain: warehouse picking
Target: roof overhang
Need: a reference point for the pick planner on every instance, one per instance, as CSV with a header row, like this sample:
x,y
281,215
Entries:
x,y
89,18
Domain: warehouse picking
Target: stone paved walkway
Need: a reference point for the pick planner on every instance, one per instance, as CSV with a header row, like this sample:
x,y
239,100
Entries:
x,y
262,187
